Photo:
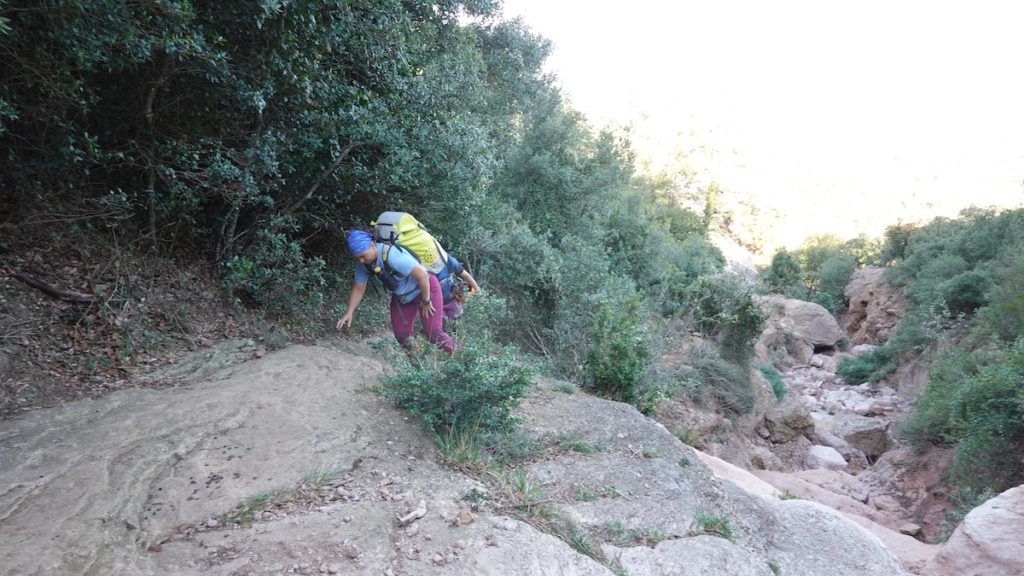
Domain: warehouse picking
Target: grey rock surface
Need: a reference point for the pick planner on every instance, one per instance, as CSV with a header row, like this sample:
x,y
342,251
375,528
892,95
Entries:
x,y
142,482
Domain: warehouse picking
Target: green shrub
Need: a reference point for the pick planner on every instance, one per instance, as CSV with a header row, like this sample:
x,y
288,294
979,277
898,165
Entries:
x,y
618,352
965,293
976,400
784,275
930,421
988,421
775,379
477,387
274,274
723,307
871,366
831,279
714,525
1003,318
714,377
963,500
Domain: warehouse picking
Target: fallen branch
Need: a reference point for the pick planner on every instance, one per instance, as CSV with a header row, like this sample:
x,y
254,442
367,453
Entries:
x,y
65,295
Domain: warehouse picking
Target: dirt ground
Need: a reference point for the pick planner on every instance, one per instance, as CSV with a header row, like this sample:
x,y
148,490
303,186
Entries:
x,y
82,316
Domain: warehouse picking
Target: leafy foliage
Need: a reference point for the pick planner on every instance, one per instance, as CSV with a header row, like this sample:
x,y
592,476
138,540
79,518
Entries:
x,y
819,270
475,389
618,352
723,307
962,278
244,135
711,377
775,379
976,400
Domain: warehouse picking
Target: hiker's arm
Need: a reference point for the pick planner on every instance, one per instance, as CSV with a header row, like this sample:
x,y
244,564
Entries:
x,y
422,277
353,302
473,286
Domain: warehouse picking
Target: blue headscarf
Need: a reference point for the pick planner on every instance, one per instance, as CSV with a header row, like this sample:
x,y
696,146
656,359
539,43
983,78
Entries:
x,y
359,241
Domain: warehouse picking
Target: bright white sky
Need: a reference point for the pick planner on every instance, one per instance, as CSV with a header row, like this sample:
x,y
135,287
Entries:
x,y
844,116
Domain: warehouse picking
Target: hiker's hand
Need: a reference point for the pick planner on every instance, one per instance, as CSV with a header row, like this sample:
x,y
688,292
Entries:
x,y
345,320
427,308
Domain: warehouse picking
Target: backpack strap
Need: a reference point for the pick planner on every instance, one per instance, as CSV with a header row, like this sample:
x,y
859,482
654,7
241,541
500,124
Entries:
x,y
387,274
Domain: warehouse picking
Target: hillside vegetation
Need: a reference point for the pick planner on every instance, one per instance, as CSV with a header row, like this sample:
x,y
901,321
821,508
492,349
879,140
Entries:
x,y
141,142
964,281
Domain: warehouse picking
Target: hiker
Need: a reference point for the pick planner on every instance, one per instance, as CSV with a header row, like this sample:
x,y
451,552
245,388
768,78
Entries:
x,y
454,278
408,281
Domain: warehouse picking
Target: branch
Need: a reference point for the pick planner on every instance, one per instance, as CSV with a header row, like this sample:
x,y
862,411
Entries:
x,y
323,176
65,295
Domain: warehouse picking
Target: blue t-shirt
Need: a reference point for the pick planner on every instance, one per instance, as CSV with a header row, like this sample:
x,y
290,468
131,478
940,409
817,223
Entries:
x,y
448,281
455,265
400,265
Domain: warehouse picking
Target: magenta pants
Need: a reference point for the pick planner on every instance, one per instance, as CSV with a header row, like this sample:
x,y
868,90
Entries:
x,y
403,318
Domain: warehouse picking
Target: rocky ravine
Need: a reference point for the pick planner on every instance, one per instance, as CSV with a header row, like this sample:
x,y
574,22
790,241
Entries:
x,y
831,442
138,482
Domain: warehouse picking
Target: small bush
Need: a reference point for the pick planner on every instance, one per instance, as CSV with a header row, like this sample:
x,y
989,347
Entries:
x,y
988,421
273,274
726,382
715,525
618,351
512,446
976,401
775,379
965,293
870,366
690,437
477,386
930,420
723,307
963,500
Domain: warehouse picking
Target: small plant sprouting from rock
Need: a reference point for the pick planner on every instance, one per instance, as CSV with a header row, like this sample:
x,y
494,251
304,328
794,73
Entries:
x,y
460,448
775,568
684,462
322,477
512,447
787,495
523,491
714,525
616,532
571,441
246,510
564,388
475,497
584,494
690,437
775,379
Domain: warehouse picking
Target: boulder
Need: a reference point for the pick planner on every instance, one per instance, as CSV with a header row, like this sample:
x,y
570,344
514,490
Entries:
x,y
873,309
824,362
825,457
869,435
795,330
788,420
988,542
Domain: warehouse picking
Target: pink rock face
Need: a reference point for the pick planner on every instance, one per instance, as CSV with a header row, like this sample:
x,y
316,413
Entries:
x,y
874,307
988,542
